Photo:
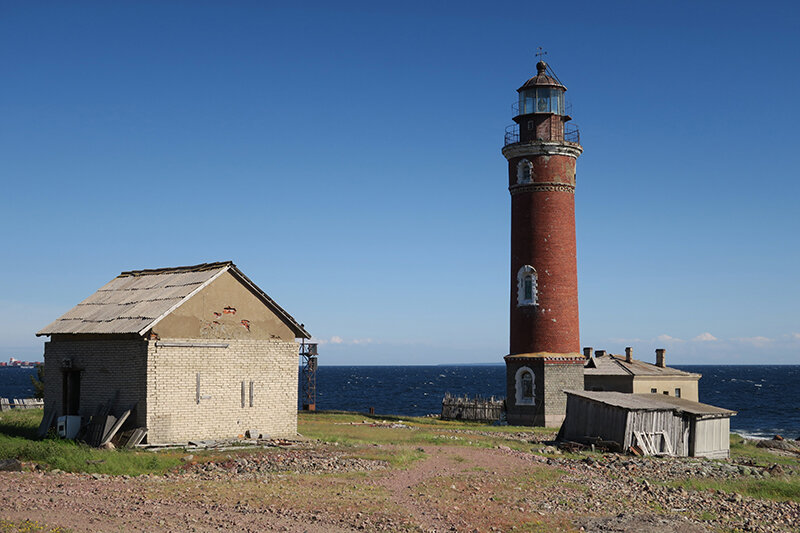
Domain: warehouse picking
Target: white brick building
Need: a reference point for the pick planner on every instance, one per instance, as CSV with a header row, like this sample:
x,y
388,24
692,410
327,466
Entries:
x,y
198,352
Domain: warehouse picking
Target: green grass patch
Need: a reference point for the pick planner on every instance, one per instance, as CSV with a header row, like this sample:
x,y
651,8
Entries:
x,y
9,526
18,440
396,457
745,450
354,429
776,489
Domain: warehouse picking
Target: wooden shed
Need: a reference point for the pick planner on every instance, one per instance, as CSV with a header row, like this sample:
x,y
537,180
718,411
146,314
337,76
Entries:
x,y
655,423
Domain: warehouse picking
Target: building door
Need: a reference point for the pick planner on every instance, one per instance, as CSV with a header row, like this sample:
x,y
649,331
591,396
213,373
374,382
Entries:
x,y
71,388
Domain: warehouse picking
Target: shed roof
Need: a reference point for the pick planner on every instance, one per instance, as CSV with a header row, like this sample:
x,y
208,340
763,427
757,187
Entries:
x,y
136,300
651,402
617,365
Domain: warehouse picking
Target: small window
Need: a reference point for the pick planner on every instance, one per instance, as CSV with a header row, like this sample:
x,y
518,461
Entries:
x,y
677,393
524,171
653,391
666,393
531,125
525,386
527,291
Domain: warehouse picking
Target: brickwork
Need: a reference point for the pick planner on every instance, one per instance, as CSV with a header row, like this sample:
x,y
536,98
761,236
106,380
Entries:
x,y
107,367
543,236
558,378
551,378
176,415
525,415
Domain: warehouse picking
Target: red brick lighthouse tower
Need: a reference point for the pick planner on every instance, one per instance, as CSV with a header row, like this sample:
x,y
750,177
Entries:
x,y
544,356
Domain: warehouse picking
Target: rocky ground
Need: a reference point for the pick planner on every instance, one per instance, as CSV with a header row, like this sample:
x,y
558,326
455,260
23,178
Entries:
x,y
323,488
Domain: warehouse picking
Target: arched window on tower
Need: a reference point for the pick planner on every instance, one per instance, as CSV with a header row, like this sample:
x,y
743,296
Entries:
x,y
524,172
525,386
527,291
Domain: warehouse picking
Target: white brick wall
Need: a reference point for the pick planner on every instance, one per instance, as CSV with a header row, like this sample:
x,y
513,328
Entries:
x,y
174,414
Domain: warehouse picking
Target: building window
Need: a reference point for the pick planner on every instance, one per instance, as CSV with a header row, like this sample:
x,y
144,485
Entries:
x,y
527,290
524,172
666,393
677,393
525,386
653,391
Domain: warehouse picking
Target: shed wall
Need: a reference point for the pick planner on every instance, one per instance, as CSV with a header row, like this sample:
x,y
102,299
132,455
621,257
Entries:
x,y
107,367
176,415
712,438
586,418
673,424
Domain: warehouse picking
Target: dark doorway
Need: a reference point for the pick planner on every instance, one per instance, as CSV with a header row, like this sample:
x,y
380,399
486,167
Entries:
x,y
71,387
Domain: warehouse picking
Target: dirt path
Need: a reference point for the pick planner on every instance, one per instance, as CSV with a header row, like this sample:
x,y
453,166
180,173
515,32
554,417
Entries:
x,y
443,462
452,488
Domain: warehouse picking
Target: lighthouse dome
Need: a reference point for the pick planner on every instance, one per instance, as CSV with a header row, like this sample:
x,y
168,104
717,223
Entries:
x,y
542,79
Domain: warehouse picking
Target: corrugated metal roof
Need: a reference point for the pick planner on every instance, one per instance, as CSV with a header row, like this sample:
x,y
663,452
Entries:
x,y
616,365
650,402
136,300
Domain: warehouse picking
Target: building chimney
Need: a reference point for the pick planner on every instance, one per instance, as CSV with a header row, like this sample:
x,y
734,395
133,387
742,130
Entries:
x,y
599,353
587,352
660,357
628,354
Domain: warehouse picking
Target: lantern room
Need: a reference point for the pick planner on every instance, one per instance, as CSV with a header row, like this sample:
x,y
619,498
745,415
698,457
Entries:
x,y
541,110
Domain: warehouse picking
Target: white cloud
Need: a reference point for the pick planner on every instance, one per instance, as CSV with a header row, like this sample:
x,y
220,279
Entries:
x,y
339,340
705,337
795,336
667,338
758,341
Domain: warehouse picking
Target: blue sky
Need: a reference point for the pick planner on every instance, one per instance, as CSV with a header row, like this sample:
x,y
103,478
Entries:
x,y
347,157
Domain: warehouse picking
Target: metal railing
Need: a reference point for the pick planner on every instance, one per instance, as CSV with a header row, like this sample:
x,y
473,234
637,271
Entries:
x,y
572,134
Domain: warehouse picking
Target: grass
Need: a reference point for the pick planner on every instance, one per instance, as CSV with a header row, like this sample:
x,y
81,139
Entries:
x,y
744,450
25,526
18,440
353,428
777,489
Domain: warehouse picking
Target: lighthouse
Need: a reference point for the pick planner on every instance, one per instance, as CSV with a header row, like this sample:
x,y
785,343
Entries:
x,y
543,359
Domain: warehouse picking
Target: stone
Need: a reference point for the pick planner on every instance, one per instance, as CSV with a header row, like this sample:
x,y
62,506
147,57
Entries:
x,y
10,465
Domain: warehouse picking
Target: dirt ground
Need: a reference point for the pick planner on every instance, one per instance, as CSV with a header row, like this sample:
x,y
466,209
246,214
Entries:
x,y
451,488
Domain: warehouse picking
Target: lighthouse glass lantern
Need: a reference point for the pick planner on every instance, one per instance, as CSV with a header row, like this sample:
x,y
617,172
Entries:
x,y
541,100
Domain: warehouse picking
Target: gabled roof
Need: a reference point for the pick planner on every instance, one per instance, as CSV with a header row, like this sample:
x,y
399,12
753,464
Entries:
x,y
651,402
137,300
616,365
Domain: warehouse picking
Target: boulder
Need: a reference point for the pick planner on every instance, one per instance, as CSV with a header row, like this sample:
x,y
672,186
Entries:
x,y
10,465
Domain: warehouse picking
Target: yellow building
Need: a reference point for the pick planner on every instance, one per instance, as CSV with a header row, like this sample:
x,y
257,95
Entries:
x,y
609,372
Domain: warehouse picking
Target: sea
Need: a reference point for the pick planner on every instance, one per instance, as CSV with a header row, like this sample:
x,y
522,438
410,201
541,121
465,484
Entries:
x,y
766,397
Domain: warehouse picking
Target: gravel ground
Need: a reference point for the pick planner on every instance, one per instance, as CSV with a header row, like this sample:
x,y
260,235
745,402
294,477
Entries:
x,y
454,488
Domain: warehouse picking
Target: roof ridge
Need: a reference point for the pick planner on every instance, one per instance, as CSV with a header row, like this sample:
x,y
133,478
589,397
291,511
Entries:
x,y
619,364
174,270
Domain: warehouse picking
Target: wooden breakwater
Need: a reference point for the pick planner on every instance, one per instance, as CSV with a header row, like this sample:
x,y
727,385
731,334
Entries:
x,y
478,408
16,403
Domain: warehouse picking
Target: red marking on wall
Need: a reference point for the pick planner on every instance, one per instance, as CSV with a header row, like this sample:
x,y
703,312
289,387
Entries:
x,y
246,324
229,310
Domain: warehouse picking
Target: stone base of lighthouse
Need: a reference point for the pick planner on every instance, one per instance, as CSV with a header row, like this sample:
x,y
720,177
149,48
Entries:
x,y
535,384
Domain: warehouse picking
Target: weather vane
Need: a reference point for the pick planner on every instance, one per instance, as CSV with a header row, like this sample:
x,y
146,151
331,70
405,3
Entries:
x,y
541,52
